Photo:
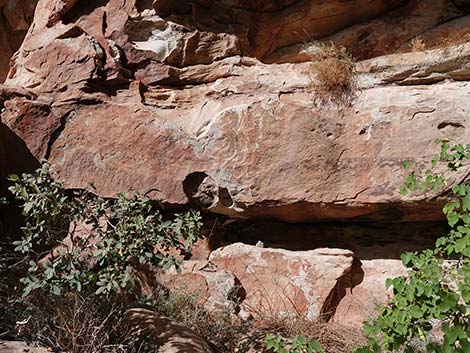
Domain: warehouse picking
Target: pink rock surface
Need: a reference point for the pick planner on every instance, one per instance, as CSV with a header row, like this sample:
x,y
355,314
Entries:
x,y
365,290
128,97
15,18
278,282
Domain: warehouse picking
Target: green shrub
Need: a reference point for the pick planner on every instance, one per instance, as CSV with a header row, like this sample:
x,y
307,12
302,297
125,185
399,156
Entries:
x,y
299,344
123,235
435,294
84,256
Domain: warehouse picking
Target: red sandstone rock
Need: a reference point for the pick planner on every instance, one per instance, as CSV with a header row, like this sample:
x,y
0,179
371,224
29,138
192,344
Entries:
x,y
15,19
214,288
278,281
143,102
365,290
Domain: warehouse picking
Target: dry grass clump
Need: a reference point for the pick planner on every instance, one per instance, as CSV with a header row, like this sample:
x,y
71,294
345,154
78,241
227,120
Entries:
x,y
229,334
89,324
454,39
220,328
333,74
78,323
417,44
333,338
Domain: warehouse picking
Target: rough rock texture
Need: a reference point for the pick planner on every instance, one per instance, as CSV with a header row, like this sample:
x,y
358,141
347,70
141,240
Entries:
x,y
264,26
20,347
15,18
376,250
278,281
390,32
358,295
125,91
419,68
169,336
216,289
233,274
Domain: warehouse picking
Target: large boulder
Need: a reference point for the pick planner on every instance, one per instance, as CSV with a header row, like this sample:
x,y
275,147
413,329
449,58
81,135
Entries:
x,y
169,336
277,281
361,293
376,249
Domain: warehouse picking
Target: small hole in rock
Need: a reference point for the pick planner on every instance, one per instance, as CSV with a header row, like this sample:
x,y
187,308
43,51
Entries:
x,y
225,198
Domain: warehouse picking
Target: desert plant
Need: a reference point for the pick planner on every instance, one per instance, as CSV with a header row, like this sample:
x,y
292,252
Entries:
x,y
121,236
218,327
435,294
333,74
79,323
417,44
299,344
84,257
333,338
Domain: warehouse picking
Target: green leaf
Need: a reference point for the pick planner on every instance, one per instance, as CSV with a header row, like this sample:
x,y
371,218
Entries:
x,y
55,290
416,312
316,346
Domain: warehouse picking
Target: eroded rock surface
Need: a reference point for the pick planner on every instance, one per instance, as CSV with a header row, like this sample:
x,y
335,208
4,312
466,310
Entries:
x,y
279,281
15,18
360,294
152,97
169,336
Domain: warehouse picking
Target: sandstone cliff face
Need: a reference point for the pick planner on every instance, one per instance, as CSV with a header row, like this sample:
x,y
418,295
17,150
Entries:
x,y
15,18
209,103
127,90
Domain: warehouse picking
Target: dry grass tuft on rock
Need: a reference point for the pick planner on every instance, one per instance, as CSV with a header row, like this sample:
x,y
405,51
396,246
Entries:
x,y
417,44
333,74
